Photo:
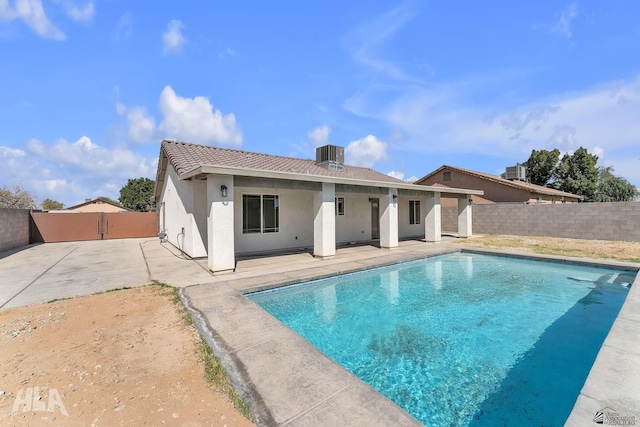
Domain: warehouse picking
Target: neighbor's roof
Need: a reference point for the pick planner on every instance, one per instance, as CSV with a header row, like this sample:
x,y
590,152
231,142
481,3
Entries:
x,y
533,188
98,200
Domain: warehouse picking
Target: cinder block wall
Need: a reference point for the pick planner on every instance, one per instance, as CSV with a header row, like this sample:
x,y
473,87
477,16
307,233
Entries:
x,y
14,228
598,221
449,218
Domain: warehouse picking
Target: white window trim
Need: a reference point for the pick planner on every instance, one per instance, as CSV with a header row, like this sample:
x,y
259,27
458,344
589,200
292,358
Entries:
x,y
262,226
338,205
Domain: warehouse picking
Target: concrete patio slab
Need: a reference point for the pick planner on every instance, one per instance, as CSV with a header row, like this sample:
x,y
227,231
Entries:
x,y
39,273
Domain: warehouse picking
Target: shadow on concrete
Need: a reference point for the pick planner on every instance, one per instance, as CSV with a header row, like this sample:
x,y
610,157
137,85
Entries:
x,y
9,252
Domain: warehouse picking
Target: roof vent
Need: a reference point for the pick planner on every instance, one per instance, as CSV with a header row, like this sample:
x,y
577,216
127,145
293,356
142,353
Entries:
x,y
330,157
515,173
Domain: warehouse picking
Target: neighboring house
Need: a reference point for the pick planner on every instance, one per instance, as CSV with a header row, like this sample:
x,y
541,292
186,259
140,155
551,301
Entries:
x,y
96,205
218,202
495,188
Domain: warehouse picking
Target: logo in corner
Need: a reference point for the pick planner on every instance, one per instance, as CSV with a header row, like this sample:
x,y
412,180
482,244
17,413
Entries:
x,y
610,417
598,416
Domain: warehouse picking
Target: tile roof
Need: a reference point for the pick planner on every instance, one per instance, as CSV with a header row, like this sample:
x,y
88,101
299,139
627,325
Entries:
x,y
185,157
533,188
98,200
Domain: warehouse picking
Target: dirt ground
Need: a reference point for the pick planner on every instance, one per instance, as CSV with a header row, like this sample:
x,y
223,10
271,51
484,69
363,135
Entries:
x,y
597,249
121,358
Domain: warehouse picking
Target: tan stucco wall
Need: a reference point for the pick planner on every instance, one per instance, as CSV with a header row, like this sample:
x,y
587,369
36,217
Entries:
x,y
98,207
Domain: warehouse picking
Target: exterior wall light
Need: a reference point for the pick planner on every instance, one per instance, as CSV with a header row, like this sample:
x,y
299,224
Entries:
x,y
223,190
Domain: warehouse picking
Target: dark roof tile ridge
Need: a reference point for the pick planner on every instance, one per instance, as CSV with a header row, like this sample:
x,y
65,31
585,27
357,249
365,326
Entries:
x,y
271,155
239,151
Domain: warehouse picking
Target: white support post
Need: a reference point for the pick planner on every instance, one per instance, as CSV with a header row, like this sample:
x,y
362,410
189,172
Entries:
x,y
389,219
433,218
324,223
220,233
464,217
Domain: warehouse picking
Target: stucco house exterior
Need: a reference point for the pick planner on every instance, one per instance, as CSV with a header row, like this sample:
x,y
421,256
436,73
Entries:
x,y
496,189
218,202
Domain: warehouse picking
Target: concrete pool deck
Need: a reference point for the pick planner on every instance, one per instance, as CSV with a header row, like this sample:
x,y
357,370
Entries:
x,y
286,380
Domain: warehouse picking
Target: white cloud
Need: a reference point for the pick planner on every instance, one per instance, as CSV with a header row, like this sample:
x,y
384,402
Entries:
x,y
142,126
603,116
9,153
319,136
598,151
124,28
93,160
563,26
227,52
172,39
366,40
195,120
83,13
11,159
365,151
396,175
72,171
32,14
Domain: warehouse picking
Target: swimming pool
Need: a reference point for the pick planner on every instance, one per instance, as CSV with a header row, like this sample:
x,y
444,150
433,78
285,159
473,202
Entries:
x,y
462,339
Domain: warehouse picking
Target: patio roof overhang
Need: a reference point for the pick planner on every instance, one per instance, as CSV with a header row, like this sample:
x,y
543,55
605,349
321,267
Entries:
x,y
201,172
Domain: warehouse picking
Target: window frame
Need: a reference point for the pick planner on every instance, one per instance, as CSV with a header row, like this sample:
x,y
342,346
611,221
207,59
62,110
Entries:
x,y
414,212
339,203
269,221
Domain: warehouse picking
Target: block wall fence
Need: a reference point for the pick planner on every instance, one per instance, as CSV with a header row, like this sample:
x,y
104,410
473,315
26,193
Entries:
x,y
597,221
591,221
14,228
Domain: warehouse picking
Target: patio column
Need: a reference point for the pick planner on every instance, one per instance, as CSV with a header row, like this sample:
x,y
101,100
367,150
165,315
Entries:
x,y
464,216
433,219
389,219
220,233
324,222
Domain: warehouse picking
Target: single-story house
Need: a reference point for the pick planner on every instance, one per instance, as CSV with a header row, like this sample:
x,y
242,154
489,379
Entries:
x,y
97,205
496,189
219,202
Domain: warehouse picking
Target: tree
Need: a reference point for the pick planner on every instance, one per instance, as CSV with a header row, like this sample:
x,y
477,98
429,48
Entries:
x,y
51,205
612,188
138,195
577,173
16,197
541,166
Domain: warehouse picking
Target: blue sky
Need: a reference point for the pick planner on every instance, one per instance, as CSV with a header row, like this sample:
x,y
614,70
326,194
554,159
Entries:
x,y
90,88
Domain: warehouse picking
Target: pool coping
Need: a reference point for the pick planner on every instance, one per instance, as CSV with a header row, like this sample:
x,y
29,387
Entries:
x,y
287,381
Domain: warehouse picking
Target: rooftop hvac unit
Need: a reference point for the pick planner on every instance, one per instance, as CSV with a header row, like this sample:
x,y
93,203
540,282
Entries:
x,y
517,172
330,157
330,153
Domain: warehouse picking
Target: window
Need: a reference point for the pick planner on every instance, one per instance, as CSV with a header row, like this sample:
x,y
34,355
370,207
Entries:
x,y
446,176
340,206
260,214
270,206
414,211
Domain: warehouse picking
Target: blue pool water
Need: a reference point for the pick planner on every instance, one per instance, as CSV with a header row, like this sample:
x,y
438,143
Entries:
x,y
462,339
